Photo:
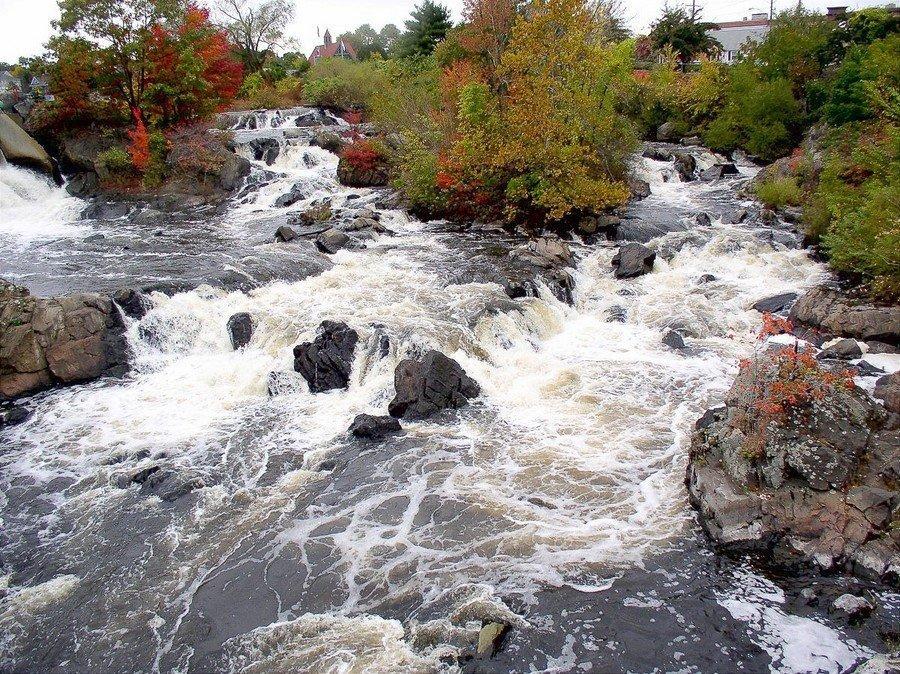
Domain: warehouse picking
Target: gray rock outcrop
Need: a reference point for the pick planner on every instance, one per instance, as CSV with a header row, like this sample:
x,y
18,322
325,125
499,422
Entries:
x,y
428,385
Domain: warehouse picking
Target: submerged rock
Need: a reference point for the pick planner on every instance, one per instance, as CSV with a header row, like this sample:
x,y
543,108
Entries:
x,y
374,428
490,638
429,385
240,330
265,149
65,340
12,415
704,220
632,260
327,361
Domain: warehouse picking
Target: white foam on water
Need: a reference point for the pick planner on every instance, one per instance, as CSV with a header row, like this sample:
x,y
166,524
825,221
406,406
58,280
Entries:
x,y
795,643
33,209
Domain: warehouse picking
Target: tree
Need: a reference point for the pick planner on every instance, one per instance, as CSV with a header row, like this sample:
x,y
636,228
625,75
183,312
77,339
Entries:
x,y
487,31
685,34
255,27
610,18
389,37
428,24
367,41
118,34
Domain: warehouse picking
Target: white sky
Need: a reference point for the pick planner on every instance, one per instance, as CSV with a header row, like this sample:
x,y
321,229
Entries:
x,y
25,24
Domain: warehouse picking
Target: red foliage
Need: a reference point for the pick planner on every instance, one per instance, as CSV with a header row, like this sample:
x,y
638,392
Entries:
x,y
139,149
353,117
362,155
774,325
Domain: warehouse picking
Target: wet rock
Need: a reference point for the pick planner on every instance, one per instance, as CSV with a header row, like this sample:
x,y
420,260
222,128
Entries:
x,y
240,330
315,117
844,349
706,278
887,389
632,260
314,215
657,154
133,303
65,340
265,149
284,234
852,607
865,369
429,385
703,220
718,172
547,252
834,312
666,132
814,487
11,415
106,210
694,141
617,314
279,383
327,140
736,217
685,165
327,361
490,638
673,340
639,189
775,304
331,241
170,485
297,193
374,428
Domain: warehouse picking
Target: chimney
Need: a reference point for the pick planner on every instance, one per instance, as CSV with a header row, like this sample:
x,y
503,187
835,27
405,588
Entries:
x,y
328,39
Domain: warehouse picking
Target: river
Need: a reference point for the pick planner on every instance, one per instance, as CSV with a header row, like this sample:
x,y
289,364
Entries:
x,y
555,502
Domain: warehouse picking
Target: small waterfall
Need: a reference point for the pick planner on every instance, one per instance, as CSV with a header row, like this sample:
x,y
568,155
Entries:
x,y
33,208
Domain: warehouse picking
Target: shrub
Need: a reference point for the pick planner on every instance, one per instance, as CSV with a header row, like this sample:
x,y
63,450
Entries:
x,y
116,160
780,192
363,155
342,84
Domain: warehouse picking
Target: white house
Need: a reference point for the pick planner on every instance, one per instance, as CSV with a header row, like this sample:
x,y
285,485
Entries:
x,y
735,35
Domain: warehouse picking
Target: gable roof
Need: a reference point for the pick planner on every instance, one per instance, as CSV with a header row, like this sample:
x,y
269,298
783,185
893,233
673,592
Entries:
x,y
324,51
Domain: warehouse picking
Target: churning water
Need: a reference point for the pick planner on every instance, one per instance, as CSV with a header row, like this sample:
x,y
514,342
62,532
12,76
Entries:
x,y
554,503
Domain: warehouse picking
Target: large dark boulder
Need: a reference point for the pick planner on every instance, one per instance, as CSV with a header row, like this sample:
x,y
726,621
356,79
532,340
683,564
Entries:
x,y
428,385
639,189
370,427
685,165
265,149
834,312
775,303
10,415
240,330
331,241
810,483
548,252
632,260
718,172
297,193
327,361
133,303
52,341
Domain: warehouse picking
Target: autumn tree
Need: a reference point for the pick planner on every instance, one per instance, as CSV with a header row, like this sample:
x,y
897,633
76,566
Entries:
x,y
255,27
487,30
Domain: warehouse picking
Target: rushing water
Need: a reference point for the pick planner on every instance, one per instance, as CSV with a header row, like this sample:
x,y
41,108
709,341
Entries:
x,y
555,502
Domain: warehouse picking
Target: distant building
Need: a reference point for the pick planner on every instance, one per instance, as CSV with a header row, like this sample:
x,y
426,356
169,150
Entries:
x,y
331,49
9,84
40,87
734,36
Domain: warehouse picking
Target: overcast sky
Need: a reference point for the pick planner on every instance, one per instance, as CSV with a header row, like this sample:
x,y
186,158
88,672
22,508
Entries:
x,y
25,24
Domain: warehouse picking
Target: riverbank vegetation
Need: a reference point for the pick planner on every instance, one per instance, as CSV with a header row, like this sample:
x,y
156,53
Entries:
x,y
524,113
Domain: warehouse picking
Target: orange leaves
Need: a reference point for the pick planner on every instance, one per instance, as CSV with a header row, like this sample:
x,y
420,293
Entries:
x,y
139,149
774,325
362,155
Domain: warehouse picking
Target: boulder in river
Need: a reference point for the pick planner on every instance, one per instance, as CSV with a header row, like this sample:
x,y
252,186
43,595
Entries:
x,y
835,313
657,153
685,165
704,220
331,241
775,303
843,349
133,303
10,415
292,196
809,482
639,189
374,428
20,148
632,260
736,216
240,330
548,252
887,389
65,340
673,340
718,172
327,361
265,149
428,385
666,132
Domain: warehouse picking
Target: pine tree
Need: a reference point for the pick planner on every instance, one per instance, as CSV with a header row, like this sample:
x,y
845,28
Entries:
x,y
428,24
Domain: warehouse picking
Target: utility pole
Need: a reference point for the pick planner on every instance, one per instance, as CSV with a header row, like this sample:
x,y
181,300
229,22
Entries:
x,y
771,10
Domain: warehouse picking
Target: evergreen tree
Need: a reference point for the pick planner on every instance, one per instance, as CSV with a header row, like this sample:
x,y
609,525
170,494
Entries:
x,y
427,25
686,35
